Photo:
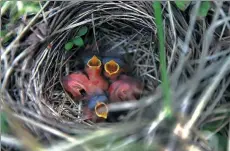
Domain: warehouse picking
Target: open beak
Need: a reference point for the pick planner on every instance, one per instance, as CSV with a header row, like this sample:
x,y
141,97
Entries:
x,y
94,62
112,67
101,110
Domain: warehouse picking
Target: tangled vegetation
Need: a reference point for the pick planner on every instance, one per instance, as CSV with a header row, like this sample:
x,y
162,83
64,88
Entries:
x,y
179,50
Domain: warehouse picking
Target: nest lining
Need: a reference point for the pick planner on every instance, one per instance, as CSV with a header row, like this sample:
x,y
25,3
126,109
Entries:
x,y
123,28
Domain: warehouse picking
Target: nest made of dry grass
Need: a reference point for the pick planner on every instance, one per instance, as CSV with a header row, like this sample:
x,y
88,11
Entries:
x,y
32,72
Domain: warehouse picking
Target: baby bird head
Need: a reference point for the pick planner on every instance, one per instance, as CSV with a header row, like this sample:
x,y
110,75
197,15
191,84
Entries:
x,y
98,103
94,63
112,67
93,66
76,84
125,89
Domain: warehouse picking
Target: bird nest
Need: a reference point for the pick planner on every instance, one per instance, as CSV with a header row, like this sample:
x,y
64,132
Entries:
x,y
32,72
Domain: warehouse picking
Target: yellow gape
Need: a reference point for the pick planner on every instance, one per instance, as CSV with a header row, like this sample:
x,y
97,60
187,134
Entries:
x,y
101,110
112,67
94,62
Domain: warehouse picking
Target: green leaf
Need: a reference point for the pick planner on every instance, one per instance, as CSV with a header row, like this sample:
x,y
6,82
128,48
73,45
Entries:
x,y
20,6
31,9
3,33
13,11
68,46
222,142
2,3
4,123
182,5
213,125
78,41
82,31
204,8
216,141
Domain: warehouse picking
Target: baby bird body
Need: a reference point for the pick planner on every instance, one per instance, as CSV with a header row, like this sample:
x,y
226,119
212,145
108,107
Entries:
x,y
93,68
91,85
124,89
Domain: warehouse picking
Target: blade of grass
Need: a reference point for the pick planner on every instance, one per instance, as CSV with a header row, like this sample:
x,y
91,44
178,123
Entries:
x,y
164,76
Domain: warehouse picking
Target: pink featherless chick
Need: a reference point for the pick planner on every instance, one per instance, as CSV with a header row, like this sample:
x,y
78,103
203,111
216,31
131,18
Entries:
x,y
124,89
93,68
80,87
77,84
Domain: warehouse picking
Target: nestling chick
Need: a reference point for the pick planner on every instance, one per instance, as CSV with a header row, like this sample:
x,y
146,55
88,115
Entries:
x,y
80,86
113,67
124,89
95,99
93,68
97,109
76,84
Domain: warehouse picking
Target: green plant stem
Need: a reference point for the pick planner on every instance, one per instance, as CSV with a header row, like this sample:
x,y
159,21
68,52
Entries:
x,y
164,76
